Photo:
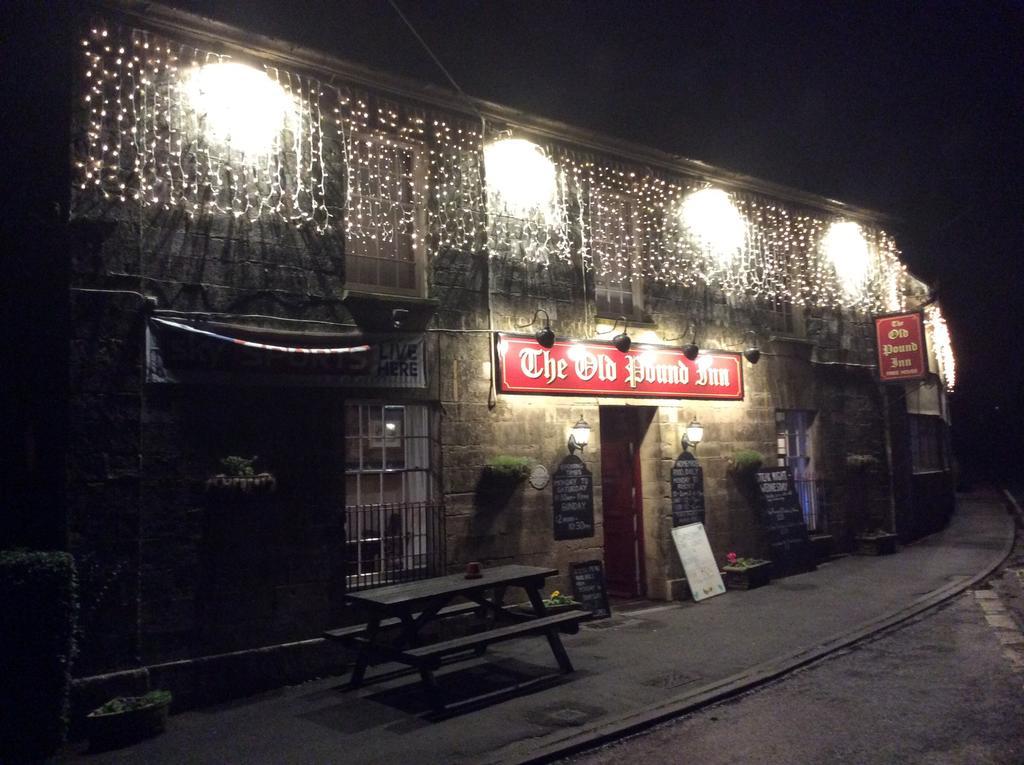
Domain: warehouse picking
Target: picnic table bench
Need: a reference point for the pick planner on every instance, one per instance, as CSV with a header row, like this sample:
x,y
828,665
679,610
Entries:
x,y
407,609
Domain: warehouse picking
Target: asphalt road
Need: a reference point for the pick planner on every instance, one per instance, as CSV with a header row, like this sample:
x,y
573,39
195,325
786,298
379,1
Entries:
x,y
945,689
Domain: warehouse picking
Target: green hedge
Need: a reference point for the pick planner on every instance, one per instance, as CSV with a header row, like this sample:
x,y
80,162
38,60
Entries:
x,y
38,608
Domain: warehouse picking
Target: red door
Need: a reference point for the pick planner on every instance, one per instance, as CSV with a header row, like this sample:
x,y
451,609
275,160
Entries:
x,y
622,501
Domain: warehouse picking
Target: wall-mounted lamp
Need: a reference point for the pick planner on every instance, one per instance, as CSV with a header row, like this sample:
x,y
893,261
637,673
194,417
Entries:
x,y
752,353
579,437
621,341
693,435
545,336
691,350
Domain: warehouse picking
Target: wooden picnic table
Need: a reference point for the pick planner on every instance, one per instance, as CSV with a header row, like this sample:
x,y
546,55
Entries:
x,y
411,606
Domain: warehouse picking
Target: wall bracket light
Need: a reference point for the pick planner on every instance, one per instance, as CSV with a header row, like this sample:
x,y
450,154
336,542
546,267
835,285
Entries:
x,y
579,437
693,435
752,353
621,341
545,336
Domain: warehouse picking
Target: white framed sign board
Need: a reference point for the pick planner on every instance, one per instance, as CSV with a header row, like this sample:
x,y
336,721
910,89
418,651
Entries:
x,y
702,572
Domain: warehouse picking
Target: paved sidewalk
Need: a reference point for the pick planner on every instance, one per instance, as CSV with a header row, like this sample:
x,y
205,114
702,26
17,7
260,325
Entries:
x,y
631,670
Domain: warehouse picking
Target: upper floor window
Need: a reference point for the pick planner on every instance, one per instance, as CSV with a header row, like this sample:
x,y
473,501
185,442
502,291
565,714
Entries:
x,y
385,217
615,245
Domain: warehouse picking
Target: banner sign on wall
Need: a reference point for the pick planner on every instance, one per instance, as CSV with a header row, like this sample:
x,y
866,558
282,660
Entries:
x,y
901,348
599,369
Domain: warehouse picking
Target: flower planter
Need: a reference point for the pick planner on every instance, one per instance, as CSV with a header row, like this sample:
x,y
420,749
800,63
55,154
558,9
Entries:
x,y
747,577
876,544
112,730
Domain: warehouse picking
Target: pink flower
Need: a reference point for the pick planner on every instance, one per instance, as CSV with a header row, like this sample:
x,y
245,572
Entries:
x,y
731,558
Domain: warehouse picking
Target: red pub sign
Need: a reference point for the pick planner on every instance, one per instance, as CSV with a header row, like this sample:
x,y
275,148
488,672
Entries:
x,y
901,348
599,369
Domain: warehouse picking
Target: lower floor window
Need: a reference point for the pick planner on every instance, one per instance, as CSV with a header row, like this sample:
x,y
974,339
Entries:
x,y
391,523
928,443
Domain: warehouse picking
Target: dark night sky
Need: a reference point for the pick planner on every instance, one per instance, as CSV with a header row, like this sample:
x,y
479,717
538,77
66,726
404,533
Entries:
x,y
912,109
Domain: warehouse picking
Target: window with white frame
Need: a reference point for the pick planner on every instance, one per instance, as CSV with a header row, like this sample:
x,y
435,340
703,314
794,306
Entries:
x,y
615,246
385,220
389,523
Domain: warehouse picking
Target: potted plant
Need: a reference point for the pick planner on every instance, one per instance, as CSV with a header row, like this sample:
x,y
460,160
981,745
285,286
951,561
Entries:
x,y
557,602
239,477
126,719
877,542
746,573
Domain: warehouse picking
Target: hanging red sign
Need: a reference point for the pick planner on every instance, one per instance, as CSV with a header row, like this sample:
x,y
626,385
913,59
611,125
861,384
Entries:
x,y
901,348
599,369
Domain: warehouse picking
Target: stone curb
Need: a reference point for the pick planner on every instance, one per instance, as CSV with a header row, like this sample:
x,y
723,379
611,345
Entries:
x,y
647,717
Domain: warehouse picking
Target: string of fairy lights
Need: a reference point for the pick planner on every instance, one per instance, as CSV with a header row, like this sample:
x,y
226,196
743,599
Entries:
x,y
939,340
407,181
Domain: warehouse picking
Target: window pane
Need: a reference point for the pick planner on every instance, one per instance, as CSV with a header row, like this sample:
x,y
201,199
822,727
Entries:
x,y
392,488
394,441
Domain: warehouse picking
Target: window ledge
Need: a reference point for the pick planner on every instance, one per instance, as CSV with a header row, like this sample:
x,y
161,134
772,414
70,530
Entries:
x,y
641,322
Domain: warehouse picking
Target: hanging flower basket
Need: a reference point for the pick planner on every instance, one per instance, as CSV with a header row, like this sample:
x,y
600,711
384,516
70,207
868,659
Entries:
x,y
239,486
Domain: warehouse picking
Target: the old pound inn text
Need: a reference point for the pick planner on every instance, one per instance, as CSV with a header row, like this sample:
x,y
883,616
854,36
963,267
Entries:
x,y
601,369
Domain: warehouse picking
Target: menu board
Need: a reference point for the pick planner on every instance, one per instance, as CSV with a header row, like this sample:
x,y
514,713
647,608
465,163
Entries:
x,y
702,572
784,521
687,491
588,587
572,491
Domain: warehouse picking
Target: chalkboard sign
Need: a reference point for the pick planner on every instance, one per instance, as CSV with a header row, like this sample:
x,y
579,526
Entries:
x,y
572,490
588,587
790,547
687,491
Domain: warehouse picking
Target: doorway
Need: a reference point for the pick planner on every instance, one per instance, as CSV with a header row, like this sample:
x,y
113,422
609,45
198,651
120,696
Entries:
x,y
622,430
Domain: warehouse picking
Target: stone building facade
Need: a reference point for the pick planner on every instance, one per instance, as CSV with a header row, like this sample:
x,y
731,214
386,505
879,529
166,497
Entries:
x,y
326,302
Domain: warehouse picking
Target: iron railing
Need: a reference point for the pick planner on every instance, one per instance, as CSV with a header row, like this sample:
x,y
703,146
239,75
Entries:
x,y
389,543
815,497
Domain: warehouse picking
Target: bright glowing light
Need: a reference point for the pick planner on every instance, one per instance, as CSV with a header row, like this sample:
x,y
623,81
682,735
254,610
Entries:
x,y
238,105
576,352
941,344
704,362
847,249
521,175
714,223
647,358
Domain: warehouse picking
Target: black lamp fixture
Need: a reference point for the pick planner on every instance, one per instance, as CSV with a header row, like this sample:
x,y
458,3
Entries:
x,y
621,341
752,353
693,435
691,350
579,437
545,336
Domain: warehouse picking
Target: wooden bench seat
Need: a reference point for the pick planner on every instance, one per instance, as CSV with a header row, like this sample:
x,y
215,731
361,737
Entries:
x,y
567,621
349,634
